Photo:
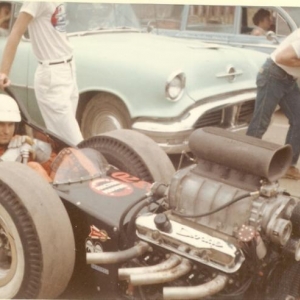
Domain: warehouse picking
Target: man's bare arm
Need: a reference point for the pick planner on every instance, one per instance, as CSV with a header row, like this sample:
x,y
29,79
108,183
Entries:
x,y
288,57
10,49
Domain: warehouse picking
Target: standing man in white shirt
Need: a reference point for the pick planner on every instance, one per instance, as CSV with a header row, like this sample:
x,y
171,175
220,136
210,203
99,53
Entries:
x,y
277,85
55,78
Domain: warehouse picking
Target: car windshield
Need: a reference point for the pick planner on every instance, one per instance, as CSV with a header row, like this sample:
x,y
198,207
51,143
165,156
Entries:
x,y
159,15
76,165
90,17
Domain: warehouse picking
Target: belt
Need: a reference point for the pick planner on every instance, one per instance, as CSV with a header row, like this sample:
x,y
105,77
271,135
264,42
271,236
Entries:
x,y
289,76
56,62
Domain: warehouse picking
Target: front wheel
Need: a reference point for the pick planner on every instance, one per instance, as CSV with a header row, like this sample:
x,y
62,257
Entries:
x,y
103,113
37,249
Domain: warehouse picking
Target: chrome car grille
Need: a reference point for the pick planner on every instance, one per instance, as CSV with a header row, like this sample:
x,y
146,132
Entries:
x,y
241,114
212,118
246,111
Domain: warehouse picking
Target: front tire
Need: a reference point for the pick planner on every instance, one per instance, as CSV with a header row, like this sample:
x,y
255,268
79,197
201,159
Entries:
x,y
37,249
103,113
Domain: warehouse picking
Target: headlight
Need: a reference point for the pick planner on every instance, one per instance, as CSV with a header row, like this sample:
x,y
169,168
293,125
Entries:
x,y
175,86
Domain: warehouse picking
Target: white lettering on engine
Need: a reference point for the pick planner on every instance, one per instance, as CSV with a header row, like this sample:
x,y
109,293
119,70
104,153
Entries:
x,y
209,241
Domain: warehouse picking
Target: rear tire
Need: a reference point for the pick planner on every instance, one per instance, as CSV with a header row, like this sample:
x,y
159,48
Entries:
x,y
134,153
37,249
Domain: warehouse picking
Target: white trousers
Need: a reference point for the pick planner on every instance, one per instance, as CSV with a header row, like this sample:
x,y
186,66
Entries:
x,y
57,97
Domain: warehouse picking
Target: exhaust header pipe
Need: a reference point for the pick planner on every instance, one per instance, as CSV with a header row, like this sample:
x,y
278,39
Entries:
x,y
172,261
163,276
196,292
241,152
117,257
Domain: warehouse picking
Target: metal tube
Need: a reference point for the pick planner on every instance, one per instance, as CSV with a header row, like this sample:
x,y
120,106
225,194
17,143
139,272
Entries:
x,y
117,257
241,152
196,292
164,276
171,262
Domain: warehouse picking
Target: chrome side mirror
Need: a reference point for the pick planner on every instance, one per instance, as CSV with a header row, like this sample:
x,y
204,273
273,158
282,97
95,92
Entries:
x,y
271,36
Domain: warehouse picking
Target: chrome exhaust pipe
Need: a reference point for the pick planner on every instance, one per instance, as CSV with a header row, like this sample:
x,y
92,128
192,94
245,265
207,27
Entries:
x,y
196,292
163,276
117,257
171,262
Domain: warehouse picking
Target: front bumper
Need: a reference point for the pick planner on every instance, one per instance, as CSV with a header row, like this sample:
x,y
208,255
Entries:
x,y
232,112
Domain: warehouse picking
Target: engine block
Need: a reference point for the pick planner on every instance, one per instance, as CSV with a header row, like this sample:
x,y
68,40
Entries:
x,y
222,225
217,179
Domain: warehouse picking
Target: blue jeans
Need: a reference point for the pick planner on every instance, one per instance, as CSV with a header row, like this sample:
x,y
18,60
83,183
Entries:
x,y
276,87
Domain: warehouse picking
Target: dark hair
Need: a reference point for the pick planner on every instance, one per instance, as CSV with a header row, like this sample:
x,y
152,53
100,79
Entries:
x,y
260,15
4,3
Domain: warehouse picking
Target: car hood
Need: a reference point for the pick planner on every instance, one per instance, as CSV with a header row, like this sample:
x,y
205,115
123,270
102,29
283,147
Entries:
x,y
205,65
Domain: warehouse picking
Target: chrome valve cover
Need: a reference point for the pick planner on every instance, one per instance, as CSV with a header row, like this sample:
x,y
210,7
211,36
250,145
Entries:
x,y
191,243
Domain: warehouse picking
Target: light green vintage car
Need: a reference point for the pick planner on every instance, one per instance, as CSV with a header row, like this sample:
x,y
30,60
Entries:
x,y
129,78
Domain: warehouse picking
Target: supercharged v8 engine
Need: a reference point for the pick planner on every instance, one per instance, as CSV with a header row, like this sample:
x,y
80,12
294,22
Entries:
x,y
222,228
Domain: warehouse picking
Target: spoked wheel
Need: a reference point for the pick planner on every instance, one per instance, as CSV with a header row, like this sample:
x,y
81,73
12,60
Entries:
x,y
36,238
134,153
104,113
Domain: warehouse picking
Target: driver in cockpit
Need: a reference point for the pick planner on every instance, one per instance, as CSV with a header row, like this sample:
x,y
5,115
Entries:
x,y
35,153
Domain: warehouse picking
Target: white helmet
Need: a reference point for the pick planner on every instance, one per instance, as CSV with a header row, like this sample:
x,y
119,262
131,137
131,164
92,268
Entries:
x,y
9,110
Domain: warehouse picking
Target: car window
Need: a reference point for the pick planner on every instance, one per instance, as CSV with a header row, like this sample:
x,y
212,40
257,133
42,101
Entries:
x,y
281,27
6,11
294,12
199,18
211,18
259,20
11,10
252,15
